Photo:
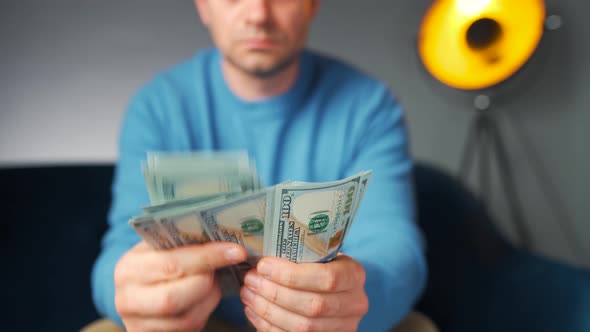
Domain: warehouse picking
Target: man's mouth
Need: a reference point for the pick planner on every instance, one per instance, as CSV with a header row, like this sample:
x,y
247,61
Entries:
x,y
260,43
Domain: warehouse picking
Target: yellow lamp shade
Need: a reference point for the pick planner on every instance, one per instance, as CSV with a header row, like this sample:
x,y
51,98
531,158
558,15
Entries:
x,y
475,44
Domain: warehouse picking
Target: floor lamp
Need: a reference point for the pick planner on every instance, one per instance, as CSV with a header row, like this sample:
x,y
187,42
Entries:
x,y
475,45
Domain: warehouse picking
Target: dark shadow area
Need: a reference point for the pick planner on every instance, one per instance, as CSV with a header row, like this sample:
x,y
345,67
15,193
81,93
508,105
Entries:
x,y
50,231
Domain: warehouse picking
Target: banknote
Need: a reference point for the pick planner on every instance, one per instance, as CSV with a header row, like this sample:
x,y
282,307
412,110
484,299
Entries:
x,y
308,221
364,183
302,222
239,220
211,196
172,176
149,230
188,202
186,229
180,229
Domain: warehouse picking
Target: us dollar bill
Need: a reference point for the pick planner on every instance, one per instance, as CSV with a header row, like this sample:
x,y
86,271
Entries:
x,y
308,221
241,221
364,183
201,197
174,230
149,230
187,203
173,176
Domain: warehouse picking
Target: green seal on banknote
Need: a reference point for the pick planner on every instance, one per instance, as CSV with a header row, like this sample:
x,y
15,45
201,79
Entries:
x,y
319,222
252,225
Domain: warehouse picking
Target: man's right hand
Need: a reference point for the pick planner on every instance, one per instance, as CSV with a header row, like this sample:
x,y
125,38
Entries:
x,y
171,290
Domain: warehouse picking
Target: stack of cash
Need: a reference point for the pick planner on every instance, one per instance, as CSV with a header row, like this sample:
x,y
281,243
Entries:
x,y
174,176
200,197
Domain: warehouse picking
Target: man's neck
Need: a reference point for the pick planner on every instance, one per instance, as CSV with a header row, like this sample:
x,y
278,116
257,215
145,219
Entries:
x,y
251,88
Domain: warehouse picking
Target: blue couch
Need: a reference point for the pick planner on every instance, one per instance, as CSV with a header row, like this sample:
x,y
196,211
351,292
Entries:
x,y
53,219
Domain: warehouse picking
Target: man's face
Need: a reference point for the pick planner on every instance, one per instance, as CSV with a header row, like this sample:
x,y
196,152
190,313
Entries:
x,y
259,37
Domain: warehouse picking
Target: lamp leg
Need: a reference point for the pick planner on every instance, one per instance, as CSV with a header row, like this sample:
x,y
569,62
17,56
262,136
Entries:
x,y
485,137
507,179
468,153
477,145
486,142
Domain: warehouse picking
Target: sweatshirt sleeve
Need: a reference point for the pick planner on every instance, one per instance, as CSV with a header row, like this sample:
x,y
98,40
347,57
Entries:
x,y
139,133
384,237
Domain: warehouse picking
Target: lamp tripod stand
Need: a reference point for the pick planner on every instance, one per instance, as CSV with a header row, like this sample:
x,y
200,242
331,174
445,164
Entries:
x,y
485,141
474,45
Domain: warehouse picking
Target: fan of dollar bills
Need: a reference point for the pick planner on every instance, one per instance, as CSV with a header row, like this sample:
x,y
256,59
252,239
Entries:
x,y
217,196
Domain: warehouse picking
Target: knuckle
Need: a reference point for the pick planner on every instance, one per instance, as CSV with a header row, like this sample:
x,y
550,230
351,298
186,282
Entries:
x,y
207,260
120,271
364,305
289,279
134,326
330,280
168,305
144,325
171,269
317,306
191,323
264,326
119,275
206,266
273,293
121,304
265,311
305,325
361,274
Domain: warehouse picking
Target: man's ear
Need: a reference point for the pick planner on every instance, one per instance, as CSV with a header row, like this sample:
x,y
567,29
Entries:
x,y
203,9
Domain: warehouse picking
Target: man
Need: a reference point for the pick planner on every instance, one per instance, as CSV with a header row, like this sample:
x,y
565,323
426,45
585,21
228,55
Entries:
x,y
302,116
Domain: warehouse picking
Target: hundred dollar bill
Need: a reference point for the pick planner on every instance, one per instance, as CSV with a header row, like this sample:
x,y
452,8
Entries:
x,y
149,230
237,218
188,202
171,176
182,186
201,197
309,220
241,221
364,183
183,229
179,229
170,231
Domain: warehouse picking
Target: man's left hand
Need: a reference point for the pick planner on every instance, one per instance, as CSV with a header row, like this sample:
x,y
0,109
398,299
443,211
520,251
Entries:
x,y
283,296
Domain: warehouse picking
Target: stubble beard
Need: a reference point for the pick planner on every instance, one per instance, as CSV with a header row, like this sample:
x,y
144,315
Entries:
x,y
264,73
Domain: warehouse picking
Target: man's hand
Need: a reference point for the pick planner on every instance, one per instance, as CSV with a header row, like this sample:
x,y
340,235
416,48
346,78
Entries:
x,y
283,296
172,290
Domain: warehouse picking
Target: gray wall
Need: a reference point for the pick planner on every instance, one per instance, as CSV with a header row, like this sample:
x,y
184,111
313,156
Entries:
x,y
68,68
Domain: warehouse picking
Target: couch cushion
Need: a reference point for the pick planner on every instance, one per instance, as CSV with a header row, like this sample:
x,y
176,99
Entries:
x,y
52,221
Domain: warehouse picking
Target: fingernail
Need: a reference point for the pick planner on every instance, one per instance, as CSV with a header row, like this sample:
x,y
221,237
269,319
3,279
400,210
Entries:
x,y
247,295
265,269
252,281
234,254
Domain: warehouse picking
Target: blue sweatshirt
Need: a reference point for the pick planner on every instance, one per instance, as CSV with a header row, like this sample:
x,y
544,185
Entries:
x,y
335,121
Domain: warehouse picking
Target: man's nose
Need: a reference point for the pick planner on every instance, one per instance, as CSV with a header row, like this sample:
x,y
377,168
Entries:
x,y
259,12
